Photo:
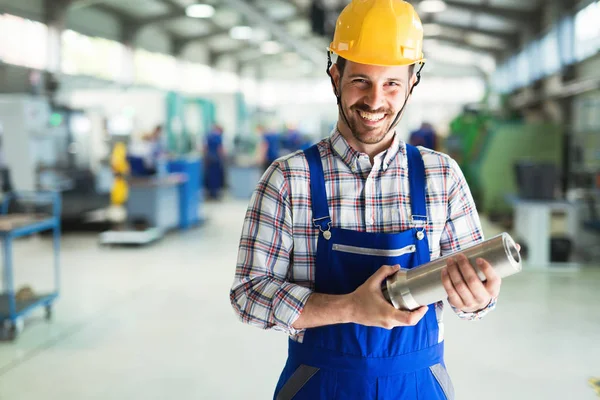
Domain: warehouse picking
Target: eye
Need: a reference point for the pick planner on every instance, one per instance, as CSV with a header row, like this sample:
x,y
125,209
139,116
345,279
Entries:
x,y
360,81
394,83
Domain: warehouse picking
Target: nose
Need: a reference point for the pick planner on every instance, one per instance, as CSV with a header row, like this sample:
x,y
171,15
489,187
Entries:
x,y
375,97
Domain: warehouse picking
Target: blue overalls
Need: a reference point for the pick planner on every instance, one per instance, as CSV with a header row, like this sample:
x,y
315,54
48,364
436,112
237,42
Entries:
x,y
351,361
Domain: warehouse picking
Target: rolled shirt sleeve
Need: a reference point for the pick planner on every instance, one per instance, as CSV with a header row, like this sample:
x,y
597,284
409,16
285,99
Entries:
x,y
261,294
463,227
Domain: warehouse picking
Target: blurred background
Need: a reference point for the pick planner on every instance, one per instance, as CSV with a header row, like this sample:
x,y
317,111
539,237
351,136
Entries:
x,y
133,132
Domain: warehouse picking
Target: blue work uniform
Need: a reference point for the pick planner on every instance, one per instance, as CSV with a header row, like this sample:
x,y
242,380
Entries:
x,y
214,175
273,141
352,361
423,137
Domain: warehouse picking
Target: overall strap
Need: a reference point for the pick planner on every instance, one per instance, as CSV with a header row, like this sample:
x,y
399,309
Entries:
x,y
320,207
416,177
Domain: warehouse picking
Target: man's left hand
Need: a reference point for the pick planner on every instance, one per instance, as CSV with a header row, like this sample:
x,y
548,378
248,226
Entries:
x,y
465,291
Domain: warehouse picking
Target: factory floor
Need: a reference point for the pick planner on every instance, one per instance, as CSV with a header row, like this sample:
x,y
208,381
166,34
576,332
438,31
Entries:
x,y
155,323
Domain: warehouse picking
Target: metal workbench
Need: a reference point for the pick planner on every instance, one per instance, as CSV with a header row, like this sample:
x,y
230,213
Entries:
x,y
12,226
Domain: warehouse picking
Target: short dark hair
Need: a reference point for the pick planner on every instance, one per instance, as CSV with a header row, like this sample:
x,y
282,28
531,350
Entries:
x,y
341,65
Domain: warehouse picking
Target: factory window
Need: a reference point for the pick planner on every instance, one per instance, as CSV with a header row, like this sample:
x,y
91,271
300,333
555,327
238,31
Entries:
x,y
23,42
587,32
550,53
155,69
91,56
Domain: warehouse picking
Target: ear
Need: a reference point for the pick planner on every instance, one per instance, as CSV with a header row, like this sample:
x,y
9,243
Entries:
x,y
413,78
335,78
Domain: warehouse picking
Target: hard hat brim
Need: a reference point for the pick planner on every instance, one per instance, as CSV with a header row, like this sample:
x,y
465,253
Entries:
x,y
381,63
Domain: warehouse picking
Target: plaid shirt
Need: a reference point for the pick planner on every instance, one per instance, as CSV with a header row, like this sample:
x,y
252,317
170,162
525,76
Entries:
x,y
277,254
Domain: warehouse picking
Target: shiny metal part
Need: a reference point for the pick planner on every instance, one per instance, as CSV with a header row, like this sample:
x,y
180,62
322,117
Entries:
x,y
409,289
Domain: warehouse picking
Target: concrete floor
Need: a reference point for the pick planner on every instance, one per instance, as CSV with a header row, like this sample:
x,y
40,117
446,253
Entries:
x,y
155,323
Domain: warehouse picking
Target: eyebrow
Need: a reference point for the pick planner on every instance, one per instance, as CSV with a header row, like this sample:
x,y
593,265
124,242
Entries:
x,y
353,76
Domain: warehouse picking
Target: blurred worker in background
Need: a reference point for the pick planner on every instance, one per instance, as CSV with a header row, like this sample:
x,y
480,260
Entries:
x,y
5,179
327,226
424,136
270,147
292,139
214,156
147,156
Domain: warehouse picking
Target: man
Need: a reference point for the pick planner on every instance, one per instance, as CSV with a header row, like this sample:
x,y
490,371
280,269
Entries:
x,y
424,136
325,225
270,147
214,156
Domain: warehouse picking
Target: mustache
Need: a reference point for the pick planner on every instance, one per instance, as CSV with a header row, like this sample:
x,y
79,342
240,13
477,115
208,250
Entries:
x,y
366,108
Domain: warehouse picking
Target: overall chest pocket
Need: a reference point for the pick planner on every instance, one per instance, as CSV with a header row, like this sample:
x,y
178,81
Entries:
x,y
367,251
356,264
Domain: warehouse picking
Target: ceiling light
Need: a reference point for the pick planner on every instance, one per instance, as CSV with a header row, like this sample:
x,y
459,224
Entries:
x,y
270,47
200,11
432,6
241,32
432,29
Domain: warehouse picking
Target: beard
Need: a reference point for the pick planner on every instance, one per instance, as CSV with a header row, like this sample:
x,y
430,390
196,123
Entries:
x,y
369,132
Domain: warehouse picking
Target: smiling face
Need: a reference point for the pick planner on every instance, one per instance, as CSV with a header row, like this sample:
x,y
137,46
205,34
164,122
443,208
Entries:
x,y
372,96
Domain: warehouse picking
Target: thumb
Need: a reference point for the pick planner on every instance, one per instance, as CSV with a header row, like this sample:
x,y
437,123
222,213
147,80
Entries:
x,y
382,273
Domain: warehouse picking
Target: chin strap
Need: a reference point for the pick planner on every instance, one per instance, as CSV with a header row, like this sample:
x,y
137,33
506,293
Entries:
x,y
338,94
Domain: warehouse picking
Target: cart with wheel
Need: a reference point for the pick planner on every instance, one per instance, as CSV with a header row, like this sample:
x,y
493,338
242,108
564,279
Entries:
x,y
18,224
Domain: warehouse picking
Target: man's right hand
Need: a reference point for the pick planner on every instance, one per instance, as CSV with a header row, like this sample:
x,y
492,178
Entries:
x,y
370,308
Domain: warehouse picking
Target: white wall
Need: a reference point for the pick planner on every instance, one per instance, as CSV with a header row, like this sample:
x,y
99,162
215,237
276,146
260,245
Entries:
x,y
226,114
24,120
147,105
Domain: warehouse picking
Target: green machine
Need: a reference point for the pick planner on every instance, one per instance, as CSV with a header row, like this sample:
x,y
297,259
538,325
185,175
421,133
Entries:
x,y
468,136
487,150
189,119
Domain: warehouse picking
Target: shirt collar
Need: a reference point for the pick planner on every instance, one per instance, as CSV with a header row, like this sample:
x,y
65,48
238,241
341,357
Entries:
x,y
352,158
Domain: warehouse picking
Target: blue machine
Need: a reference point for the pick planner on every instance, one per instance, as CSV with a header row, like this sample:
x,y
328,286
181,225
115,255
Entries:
x,y
12,226
190,200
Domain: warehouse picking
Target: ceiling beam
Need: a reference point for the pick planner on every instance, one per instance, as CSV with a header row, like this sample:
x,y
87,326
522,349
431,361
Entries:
x,y
259,18
172,14
244,45
522,16
107,8
509,37
495,52
179,11
202,37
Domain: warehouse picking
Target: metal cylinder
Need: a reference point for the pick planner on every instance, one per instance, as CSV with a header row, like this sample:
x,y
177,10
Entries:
x,y
408,289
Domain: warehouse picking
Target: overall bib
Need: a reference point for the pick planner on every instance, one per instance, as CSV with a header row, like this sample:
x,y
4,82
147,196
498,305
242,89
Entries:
x,y
351,361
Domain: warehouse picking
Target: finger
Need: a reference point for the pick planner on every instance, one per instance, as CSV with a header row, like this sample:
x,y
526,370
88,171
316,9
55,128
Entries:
x,y
382,273
410,317
453,297
476,287
518,246
493,280
460,285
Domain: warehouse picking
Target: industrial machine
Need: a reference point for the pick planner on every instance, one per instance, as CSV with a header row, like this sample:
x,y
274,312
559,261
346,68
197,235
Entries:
x,y
50,148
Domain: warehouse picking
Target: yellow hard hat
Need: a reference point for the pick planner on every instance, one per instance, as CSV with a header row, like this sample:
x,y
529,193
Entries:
x,y
379,32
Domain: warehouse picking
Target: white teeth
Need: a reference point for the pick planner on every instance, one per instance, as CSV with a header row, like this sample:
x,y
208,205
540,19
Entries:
x,y
370,116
